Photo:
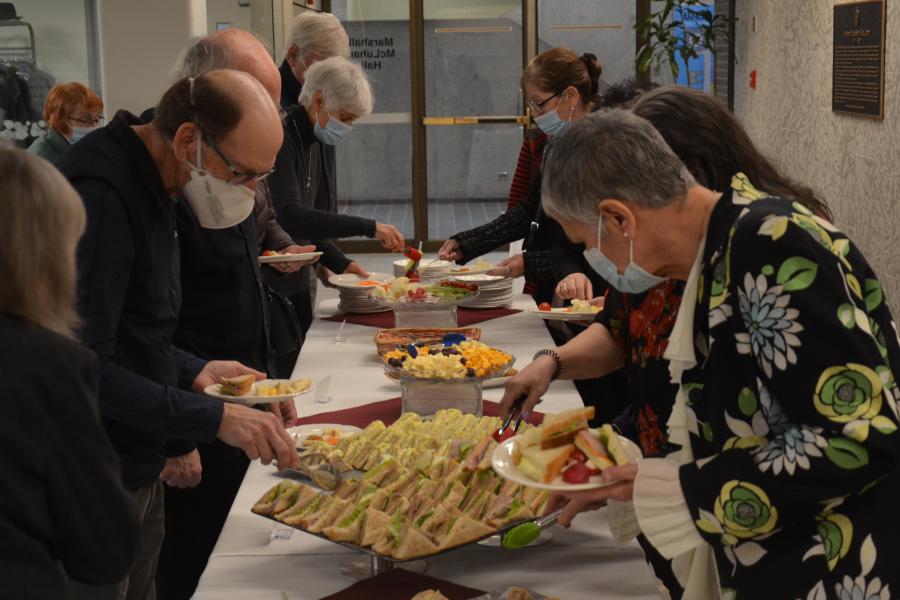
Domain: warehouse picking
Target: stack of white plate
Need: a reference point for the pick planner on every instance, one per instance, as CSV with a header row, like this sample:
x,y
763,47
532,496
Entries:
x,y
428,267
494,291
354,292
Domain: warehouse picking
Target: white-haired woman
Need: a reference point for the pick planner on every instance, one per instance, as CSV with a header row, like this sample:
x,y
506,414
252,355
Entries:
x,y
302,186
314,36
336,94
64,514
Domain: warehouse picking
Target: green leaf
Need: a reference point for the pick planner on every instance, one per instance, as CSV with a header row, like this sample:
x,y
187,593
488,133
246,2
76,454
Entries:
x,y
846,315
707,432
747,402
874,295
797,273
768,270
846,453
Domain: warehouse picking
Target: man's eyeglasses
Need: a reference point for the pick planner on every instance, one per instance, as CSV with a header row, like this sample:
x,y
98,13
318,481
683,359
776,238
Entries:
x,y
237,177
538,107
88,122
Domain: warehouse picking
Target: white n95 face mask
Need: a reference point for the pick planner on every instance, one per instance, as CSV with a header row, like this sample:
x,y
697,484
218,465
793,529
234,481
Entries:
x,y
216,203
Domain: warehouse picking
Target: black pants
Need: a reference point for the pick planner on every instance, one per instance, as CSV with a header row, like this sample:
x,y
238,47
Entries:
x,y
194,519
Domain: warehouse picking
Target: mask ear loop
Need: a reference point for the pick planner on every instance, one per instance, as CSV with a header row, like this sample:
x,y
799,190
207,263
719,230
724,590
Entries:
x,y
196,124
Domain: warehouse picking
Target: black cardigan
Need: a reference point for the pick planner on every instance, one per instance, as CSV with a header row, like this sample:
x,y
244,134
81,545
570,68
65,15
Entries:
x,y
304,170
63,510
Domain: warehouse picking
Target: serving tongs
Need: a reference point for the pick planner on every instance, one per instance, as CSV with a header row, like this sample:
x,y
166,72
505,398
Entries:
x,y
515,412
524,533
317,467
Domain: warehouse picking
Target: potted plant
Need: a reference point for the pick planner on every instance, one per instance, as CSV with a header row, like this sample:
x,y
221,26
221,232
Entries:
x,y
679,29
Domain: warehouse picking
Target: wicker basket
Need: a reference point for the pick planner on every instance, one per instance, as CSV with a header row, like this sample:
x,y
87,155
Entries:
x,y
387,339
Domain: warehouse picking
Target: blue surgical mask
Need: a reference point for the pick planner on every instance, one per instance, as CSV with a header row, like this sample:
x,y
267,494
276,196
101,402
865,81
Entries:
x,y
79,133
551,124
635,280
334,131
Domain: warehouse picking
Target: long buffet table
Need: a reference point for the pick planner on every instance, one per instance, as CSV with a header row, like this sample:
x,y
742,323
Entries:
x,y
256,558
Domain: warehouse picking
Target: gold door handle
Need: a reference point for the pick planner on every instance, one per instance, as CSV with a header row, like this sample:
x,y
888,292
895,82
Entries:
x,y
492,120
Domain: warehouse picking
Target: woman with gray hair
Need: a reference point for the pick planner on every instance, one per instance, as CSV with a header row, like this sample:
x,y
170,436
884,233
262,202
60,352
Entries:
x,y
302,187
314,36
786,359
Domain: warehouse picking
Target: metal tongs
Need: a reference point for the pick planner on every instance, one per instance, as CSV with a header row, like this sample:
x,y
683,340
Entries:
x,y
515,412
316,467
524,533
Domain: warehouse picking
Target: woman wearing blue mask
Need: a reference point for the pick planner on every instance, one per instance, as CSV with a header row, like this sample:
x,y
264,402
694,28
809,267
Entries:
x,y
335,94
71,111
560,87
785,354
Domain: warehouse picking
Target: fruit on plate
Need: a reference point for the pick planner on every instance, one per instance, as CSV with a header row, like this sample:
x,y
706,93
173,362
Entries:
x,y
271,253
544,306
427,486
282,388
565,445
582,306
448,361
236,386
406,290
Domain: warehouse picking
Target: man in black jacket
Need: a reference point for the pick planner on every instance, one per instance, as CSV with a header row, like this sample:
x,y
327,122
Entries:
x,y
218,130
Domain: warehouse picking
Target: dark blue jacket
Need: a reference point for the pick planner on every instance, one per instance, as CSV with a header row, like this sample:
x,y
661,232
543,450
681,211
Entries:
x,y
129,298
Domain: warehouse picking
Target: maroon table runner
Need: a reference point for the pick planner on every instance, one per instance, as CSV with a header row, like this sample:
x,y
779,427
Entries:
x,y
387,411
465,317
402,584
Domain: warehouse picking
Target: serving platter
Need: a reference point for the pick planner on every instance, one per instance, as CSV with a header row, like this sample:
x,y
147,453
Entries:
x,y
280,258
561,314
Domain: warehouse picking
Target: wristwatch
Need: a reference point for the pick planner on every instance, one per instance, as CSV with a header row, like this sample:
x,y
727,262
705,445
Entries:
x,y
555,355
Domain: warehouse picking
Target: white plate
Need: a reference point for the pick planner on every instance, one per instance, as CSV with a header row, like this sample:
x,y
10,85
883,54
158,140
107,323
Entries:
x,y
561,314
303,431
280,258
502,461
351,281
458,272
252,398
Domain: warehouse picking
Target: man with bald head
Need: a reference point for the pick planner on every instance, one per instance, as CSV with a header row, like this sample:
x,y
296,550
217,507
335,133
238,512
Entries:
x,y
211,140
219,271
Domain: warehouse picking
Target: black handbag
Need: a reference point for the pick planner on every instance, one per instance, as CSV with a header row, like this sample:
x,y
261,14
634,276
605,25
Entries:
x,y
285,334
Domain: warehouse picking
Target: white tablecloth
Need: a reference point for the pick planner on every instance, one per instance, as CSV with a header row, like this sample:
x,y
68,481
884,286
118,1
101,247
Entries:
x,y
579,563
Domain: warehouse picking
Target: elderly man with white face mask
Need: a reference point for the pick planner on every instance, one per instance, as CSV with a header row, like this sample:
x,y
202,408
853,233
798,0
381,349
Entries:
x,y
212,138
786,356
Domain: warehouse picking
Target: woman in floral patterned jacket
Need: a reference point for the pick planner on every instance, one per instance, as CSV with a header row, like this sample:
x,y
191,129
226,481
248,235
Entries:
x,y
786,480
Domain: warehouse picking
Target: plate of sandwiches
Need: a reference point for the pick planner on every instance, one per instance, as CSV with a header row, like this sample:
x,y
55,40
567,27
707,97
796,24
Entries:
x,y
563,454
432,490
246,390
273,256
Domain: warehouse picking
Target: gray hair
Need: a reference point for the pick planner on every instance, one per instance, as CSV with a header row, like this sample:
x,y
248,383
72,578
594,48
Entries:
x,y
343,84
200,56
611,154
318,34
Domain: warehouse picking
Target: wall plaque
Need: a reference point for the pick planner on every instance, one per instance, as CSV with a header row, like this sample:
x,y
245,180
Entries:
x,y
857,84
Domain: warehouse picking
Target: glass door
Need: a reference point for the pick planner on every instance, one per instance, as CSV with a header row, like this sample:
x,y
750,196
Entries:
x,y
473,110
374,165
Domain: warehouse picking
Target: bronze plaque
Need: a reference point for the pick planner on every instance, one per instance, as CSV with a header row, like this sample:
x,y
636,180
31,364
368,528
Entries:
x,y
857,84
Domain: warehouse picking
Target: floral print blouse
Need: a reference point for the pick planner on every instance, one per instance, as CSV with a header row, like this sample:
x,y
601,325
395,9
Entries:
x,y
641,324
793,408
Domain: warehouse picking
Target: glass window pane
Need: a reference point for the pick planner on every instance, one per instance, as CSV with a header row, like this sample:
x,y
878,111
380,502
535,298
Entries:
x,y
602,27
473,58
374,165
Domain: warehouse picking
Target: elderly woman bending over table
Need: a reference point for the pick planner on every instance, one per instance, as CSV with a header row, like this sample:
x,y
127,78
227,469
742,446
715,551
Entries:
x,y
786,481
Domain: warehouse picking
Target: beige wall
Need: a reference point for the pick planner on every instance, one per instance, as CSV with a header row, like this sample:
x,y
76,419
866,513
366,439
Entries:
x,y
853,162
139,43
226,11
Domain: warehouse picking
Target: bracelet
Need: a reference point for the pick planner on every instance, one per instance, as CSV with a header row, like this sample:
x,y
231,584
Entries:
x,y
555,355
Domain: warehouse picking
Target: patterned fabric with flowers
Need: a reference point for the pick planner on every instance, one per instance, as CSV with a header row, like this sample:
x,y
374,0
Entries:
x,y
641,324
796,401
